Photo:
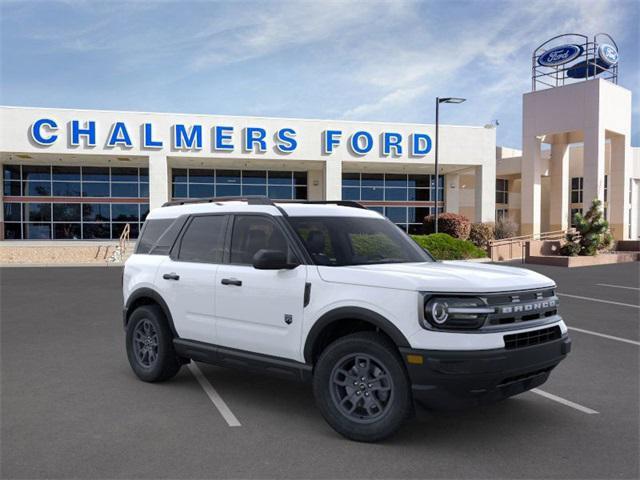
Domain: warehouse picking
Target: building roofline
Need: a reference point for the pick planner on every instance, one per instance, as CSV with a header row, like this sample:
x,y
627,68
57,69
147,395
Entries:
x,y
22,107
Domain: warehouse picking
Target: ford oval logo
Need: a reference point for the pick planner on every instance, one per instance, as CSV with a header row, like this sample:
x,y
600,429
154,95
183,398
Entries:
x,y
560,55
608,54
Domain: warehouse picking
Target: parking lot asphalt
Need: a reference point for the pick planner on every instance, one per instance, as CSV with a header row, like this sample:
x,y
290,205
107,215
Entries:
x,y
71,406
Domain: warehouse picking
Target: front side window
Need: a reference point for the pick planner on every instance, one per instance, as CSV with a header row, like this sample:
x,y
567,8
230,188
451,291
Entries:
x,y
203,241
252,233
341,241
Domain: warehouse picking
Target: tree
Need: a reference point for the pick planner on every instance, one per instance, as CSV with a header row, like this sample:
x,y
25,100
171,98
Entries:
x,y
591,235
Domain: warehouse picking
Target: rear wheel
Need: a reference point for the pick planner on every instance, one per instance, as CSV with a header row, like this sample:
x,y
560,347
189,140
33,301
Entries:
x,y
150,345
361,387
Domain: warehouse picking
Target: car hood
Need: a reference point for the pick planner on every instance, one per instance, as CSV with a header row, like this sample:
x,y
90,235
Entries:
x,y
446,276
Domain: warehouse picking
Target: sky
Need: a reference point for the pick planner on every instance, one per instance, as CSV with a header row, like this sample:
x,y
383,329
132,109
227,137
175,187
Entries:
x,y
345,60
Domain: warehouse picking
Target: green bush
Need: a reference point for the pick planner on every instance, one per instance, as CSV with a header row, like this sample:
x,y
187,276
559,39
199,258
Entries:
x,y
458,226
481,234
592,233
445,247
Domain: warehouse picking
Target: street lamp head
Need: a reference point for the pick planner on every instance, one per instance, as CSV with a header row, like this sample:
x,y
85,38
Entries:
x,y
451,100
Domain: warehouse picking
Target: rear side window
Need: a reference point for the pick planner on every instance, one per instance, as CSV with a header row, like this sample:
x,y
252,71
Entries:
x,y
151,232
203,241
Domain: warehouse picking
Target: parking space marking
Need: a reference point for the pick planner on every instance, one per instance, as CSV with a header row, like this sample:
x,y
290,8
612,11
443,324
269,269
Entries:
x,y
599,300
616,286
603,335
214,396
564,401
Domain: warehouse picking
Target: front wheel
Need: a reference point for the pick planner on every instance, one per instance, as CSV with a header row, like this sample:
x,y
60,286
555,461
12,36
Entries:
x,y
361,387
150,345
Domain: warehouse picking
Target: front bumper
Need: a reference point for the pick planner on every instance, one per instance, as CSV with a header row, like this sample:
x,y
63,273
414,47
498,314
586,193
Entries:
x,y
455,379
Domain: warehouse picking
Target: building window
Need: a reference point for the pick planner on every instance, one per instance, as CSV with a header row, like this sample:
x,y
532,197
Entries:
x,y
572,221
77,202
576,189
502,214
403,196
203,183
502,191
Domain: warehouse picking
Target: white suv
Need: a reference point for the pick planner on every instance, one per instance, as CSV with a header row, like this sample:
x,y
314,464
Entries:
x,y
336,294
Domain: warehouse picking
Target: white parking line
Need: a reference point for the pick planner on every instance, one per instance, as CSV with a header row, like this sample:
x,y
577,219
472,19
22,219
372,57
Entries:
x,y
564,401
599,300
616,286
214,396
610,337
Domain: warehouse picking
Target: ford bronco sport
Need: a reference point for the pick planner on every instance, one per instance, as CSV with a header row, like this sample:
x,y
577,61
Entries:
x,y
336,294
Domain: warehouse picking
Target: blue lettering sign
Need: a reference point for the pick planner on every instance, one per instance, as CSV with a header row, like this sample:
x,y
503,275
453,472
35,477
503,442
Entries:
x,y
37,134
255,136
147,138
285,140
89,131
331,140
183,139
391,140
421,144
119,136
358,147
222,135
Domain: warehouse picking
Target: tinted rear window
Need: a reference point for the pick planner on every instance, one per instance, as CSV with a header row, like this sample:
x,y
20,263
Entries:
x,y
203,242
151,232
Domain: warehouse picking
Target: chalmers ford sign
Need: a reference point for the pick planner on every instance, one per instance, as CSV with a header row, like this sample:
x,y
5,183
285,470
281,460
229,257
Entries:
x,y
220,138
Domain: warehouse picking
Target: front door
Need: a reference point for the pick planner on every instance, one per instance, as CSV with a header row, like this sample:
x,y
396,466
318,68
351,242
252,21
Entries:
x,y
259,310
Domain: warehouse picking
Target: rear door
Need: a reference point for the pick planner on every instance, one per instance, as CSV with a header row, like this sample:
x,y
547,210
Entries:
x,y
188,277
259,310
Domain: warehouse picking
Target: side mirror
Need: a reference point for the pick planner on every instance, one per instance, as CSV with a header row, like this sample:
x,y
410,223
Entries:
x,y
272,260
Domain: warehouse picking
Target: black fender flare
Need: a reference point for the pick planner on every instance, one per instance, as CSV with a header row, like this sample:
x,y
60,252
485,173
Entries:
x,y
352,313
145,292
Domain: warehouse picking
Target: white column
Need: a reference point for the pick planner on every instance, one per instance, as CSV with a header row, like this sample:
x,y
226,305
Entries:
x,y
452,192
315,185
333,179
619,186
485,192
531,173
158,180
559,201
593,166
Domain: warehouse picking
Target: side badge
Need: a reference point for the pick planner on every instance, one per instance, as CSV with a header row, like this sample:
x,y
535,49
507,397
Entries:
x,y
288,318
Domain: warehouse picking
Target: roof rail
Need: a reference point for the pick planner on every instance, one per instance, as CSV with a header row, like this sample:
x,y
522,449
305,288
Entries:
x,y
250,199
342,203
261,200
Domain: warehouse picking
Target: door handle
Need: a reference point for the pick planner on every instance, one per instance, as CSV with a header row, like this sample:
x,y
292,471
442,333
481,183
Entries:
x,y
231,281
171,276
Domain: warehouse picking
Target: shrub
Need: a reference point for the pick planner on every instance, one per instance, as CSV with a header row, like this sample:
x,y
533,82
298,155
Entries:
x,y
592,233
482,233
445,247
505,228
458,226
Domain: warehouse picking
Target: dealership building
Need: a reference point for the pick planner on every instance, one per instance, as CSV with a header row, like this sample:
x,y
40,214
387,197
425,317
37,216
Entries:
x,y
85,174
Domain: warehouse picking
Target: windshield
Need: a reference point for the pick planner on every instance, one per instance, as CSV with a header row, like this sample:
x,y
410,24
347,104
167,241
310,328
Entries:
x,y
340,241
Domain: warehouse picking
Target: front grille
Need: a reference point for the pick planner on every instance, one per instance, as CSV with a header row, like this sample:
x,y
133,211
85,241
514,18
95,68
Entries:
x,y
534,337
524,306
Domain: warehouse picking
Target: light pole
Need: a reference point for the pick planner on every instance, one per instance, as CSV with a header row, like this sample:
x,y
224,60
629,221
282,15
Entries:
x,y
438,102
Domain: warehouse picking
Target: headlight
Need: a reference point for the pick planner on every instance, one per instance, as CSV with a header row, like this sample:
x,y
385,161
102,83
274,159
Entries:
x,y
456,313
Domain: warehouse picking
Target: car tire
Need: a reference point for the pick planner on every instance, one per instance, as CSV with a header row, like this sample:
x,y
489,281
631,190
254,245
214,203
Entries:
x,y
361,387
150,345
